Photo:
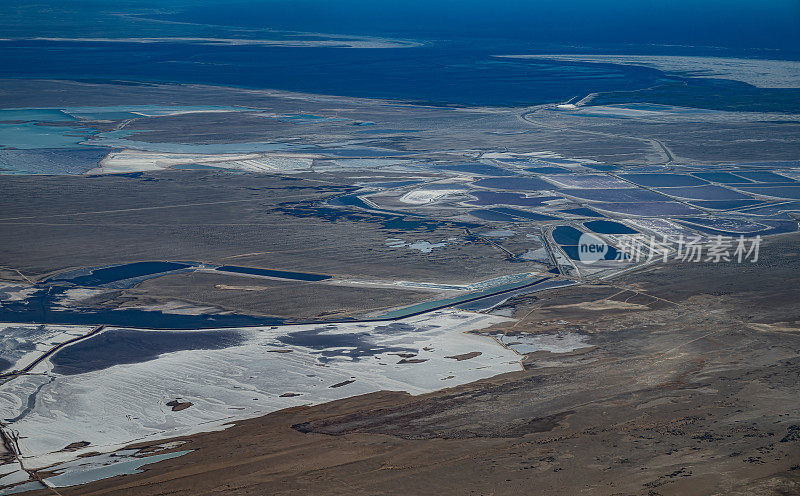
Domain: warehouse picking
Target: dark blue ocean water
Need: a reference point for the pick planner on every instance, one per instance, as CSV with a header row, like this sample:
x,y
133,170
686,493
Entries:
x,y
454,66
432,75
733,24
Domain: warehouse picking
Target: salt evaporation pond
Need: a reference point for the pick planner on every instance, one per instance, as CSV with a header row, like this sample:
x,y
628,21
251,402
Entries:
x,y
721,177
281,274
608,227
515,183
663,180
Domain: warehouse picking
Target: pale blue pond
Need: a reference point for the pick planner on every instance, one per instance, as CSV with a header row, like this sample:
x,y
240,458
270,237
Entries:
x,y
616,195
84,476
149,110
30,135
663,180
116,139
515,183
476,168
51,160
34,114
707,192
725,204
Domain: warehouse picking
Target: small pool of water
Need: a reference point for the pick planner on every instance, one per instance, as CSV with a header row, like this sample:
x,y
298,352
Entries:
x,y
78,475
663,179
566,235
516,183
608,227
282,274
115,273
476,168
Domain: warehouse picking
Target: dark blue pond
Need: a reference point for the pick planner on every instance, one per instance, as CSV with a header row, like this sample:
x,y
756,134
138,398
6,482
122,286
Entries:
x,y
350,201
720,177
665,179
515,183
283,274
789,192
773,209
602,168
566,235
764,177
121,346
608,227
572,252
108,275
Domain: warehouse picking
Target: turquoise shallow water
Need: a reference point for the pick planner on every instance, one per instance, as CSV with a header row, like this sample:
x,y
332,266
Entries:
x,y
31,136
133,466
34,114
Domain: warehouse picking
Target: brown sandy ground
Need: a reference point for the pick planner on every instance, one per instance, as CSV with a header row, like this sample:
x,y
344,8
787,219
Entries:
x,y
63,222
685,396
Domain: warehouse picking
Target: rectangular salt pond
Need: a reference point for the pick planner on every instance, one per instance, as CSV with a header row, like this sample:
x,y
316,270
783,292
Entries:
x,y
720,177
281,274
663,180
708,192
515,183
788,192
